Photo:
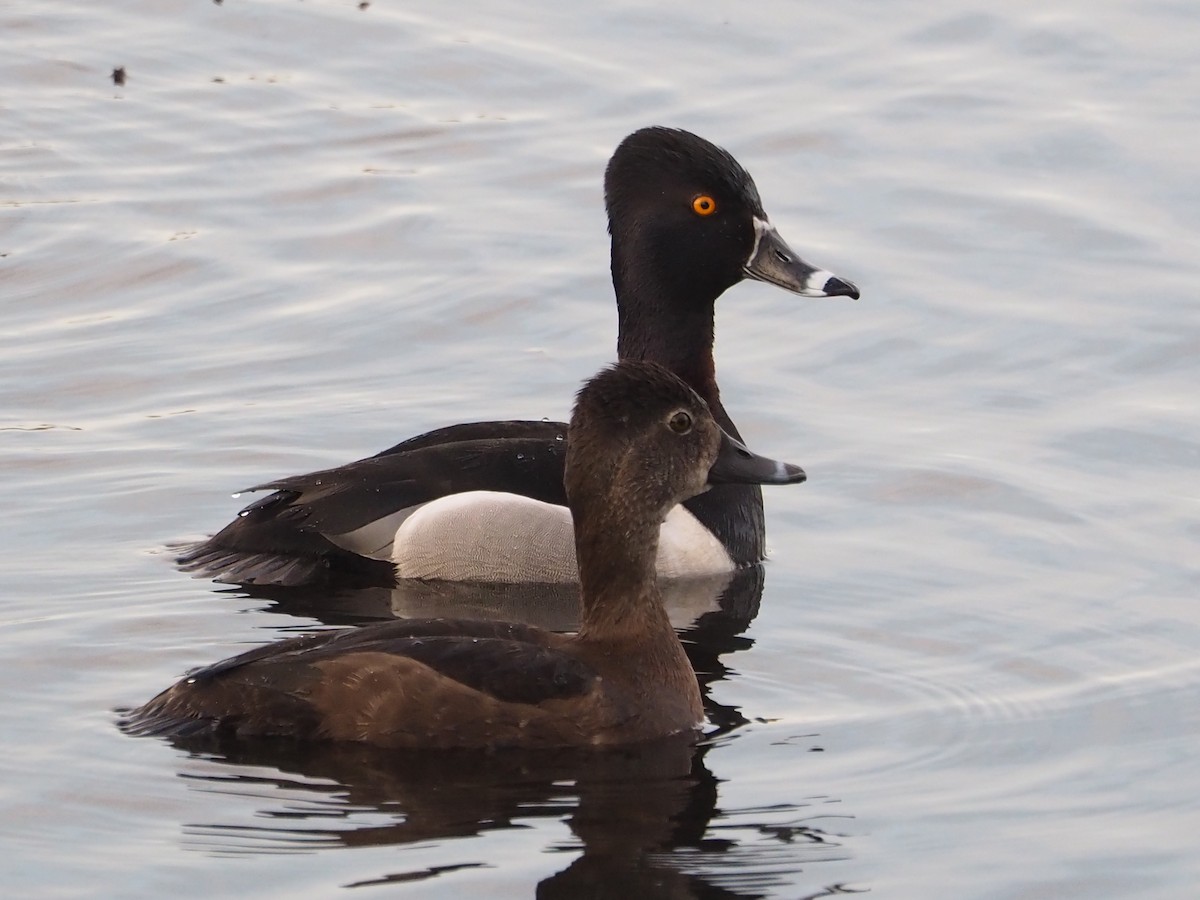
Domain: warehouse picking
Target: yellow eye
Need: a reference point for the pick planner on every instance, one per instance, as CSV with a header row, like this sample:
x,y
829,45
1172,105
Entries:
x,y
704,205
680,423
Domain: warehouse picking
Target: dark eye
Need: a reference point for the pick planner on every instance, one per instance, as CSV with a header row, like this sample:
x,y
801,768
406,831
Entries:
x,y
680,423
704,205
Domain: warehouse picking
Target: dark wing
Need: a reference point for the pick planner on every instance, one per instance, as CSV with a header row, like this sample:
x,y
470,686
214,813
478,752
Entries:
x,y
335,501
480,431
281,539
266,691
340,641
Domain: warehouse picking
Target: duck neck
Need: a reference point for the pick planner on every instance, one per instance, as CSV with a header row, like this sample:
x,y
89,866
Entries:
x,y
624,620
665,316
617,579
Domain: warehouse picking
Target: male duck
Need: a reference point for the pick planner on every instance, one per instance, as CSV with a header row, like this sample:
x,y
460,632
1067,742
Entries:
x,y
484,501
640,442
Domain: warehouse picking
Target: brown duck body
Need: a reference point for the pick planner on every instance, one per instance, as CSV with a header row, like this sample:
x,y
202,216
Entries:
x,y
440,683
640,441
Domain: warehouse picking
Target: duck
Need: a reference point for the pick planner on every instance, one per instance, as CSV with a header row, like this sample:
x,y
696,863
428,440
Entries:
x,y
640,442
484,501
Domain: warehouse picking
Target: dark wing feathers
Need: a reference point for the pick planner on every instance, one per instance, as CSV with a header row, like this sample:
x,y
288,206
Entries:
x,y
511,671
478,431
275,552
335,501
227,708
510,661
280,538
249,692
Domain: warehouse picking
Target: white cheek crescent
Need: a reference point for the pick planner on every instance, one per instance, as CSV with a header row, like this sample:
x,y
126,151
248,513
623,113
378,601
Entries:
x,y
817,281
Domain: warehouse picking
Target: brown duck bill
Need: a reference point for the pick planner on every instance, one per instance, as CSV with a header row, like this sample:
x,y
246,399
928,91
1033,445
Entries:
x,y
735,464
774,262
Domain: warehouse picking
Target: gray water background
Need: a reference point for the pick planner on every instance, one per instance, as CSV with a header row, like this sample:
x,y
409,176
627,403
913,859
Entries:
x,y
302,231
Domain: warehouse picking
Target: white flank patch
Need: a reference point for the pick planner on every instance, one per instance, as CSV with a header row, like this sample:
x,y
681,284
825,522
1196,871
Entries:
x,y
494,536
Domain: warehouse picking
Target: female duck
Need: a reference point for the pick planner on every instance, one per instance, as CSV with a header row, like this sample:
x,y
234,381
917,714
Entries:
x,y
640,441
686,224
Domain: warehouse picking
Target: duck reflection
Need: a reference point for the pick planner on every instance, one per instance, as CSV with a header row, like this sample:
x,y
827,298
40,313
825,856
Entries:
x,y
641,816
725,602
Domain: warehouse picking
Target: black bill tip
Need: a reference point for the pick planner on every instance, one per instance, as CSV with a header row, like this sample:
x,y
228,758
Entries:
x,y
735,464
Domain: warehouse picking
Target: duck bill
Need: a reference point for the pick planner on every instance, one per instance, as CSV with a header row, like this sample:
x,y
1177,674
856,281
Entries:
x,y
735,464
774,262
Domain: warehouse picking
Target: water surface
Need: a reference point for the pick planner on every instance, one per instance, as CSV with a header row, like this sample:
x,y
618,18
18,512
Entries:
x,y
301,231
